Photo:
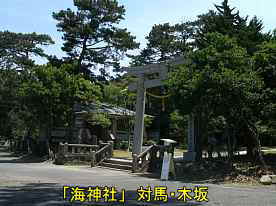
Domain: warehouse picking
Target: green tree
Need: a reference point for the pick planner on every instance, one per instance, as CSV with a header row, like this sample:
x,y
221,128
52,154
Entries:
x,y
57,88
91,34
17,49
16,55
265,61
227,21
9,84
165,41
116,93
220,80
49,93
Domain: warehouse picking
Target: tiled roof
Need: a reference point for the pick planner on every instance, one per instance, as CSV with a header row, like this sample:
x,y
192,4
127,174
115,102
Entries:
x,y
104,108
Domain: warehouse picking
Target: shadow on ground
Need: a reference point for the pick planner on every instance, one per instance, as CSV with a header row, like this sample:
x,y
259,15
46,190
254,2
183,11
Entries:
x,y
52,195
218,171
2,155
9,157
189,178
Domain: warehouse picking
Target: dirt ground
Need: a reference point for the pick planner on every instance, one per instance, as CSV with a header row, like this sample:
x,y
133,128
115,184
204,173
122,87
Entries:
x,y
217,171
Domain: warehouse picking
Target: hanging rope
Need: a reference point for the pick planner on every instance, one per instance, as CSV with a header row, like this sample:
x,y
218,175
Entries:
x,y
160,97
157,96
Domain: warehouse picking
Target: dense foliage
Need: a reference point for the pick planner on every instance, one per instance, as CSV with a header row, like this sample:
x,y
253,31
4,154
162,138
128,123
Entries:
x,y
228,73
228,80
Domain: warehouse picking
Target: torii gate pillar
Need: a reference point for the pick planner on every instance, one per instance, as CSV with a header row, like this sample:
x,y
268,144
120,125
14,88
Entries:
x,y
146,81
139,118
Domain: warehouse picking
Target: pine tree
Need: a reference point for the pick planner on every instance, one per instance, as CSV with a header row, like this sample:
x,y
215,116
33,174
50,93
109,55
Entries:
x,y
91,34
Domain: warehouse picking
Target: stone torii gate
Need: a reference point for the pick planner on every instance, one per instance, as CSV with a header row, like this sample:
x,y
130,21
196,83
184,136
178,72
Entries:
x,y
149,76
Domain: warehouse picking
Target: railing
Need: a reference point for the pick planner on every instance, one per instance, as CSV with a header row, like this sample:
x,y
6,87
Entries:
x,y
4,145
2,142
105,152
74,151
150,159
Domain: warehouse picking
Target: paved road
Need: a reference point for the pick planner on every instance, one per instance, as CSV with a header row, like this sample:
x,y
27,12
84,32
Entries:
x,y
40,184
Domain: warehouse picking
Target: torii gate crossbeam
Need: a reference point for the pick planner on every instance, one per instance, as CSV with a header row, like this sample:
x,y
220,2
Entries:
x,y
144,82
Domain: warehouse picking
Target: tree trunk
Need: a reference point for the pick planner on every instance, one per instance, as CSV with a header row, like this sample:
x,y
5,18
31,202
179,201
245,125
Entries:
x,y
254,146
198,136
43,141
81,57
229,137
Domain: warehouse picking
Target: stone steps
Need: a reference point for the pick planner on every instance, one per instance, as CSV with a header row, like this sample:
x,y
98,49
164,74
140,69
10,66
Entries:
x,y
115,163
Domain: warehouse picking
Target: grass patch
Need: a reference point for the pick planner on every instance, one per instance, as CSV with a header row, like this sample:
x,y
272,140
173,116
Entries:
x,y
128,155
270,152
179,152
124,154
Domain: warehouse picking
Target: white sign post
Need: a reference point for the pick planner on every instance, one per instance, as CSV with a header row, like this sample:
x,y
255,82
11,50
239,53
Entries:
x,y
167,165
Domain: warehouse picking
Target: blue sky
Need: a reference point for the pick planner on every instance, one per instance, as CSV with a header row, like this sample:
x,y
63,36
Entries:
x,y
141,15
